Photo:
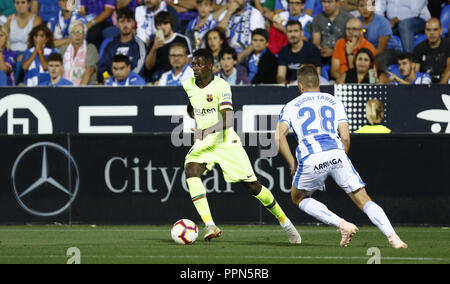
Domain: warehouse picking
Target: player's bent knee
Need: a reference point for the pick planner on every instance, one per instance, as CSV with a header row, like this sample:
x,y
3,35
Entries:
x,y
253,188
296,200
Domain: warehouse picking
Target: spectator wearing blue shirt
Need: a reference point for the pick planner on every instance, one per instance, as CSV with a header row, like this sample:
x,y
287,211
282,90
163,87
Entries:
x,y
126,44
7,59
312,7
122,74
180,71
205,21
378,31
40,46
295,13
60,24
406,66
281,5
56,71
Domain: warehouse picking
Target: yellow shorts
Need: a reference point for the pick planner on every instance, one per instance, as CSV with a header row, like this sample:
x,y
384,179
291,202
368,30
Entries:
x,y
223,148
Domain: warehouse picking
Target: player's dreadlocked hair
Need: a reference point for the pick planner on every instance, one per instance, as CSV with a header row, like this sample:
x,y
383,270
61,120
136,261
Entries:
x,y
205,53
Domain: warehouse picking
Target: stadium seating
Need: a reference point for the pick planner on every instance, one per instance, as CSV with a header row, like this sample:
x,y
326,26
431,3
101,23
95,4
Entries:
x,y
445,20
103,45
326,71
419,38
398,41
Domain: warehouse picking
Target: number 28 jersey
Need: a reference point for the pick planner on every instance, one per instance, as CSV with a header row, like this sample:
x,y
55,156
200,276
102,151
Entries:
x,y
314,118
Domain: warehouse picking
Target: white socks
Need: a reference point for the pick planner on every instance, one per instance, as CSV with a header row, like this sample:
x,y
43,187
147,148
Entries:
x,y
379,218
319,211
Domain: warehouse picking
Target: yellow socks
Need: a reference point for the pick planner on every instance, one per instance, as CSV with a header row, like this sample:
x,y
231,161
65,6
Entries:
x,y
267,199
198,195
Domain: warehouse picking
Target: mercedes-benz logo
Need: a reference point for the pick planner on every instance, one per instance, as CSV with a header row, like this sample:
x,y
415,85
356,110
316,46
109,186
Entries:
x,y
45,178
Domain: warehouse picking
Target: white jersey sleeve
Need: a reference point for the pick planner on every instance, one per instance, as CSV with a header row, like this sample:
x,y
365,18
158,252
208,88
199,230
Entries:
x,y
314,117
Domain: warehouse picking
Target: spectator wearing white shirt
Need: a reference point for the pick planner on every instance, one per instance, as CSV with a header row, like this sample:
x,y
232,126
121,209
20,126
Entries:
x,y
145,18
407,18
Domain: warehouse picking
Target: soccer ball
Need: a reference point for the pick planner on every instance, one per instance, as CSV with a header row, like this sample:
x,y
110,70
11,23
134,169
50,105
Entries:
x,y
184,232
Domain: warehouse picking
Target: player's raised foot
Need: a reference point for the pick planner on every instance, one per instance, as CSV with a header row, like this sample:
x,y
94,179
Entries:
x,y
292,233
347,231
212,231
395,242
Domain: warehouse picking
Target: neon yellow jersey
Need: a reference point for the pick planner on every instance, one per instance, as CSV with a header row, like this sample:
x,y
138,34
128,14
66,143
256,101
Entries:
x,y
374,129
209,101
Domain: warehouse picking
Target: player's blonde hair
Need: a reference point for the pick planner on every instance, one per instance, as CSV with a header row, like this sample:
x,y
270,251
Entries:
x,y
5,32
374,111
307,76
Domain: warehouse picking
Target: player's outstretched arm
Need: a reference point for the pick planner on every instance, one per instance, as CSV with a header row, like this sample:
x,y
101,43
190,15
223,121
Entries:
x,y
344,133
283,146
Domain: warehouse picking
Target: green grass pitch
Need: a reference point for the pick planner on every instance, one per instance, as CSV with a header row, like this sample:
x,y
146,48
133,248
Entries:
x,y
239,244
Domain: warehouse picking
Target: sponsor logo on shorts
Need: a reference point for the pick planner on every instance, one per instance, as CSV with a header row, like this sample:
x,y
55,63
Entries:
x,y
328,166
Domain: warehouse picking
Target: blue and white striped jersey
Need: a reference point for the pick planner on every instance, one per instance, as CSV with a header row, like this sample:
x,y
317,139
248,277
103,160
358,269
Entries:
x,y
314,117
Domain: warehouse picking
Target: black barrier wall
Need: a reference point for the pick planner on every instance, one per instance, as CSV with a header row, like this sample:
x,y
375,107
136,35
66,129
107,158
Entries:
x,y
418,108
138,179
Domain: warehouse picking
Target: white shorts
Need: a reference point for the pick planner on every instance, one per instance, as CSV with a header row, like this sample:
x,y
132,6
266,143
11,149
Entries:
x,y
314,169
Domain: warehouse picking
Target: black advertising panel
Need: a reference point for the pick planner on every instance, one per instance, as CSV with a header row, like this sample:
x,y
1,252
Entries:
x,y
40,179
139,179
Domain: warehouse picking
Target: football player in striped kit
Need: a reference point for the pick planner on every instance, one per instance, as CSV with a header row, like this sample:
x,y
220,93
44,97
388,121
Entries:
x,y
320,122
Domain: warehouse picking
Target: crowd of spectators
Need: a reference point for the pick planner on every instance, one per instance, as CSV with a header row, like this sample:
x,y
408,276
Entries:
x,y
150,42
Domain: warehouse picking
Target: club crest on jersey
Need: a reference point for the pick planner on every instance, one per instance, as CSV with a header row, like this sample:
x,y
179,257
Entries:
x,y
209,98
